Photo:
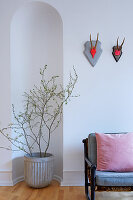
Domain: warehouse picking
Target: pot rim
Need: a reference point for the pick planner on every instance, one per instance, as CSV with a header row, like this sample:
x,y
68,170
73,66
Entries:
x,y
36,156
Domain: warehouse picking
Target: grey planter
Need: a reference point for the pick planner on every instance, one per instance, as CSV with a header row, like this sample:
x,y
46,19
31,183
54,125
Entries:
x,y
38,172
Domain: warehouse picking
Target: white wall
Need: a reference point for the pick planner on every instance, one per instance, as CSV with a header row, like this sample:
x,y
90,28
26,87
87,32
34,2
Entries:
x,y
5,99
35,40
106,96
105,102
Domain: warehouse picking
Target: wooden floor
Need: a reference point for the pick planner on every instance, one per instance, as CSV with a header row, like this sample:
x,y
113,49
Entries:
x,y
53,192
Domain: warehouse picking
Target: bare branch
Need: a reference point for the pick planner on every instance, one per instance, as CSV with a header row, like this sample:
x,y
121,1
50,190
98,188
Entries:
x,y
41,115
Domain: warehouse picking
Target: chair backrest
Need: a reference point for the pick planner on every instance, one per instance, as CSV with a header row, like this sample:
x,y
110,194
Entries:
x,y
92,147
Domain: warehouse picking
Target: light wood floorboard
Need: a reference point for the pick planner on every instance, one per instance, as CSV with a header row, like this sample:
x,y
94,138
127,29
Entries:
x,y
53,192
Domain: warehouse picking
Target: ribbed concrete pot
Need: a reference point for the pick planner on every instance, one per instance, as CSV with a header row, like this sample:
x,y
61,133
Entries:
x,y
38,172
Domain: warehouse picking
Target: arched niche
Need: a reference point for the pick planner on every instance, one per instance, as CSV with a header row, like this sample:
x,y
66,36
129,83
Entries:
x,y
35,40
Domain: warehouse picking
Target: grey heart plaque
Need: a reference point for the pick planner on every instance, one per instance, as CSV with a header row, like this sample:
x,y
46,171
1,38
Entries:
x,y
88,55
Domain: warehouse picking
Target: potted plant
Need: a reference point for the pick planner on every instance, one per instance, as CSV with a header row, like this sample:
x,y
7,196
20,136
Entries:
x,y
32,127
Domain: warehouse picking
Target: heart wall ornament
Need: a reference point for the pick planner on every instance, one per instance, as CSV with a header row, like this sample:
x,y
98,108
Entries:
x,y
117,50
93,50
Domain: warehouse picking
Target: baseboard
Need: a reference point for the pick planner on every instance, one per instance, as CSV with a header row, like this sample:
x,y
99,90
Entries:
x,y
57,178
6,178
21,178
17,180
70,178
73,178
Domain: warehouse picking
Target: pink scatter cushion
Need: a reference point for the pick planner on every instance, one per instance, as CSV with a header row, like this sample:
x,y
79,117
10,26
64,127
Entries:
x,y
115,152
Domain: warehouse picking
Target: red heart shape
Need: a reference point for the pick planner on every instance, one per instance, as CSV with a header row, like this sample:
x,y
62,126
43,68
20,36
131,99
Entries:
x,y
93,51
117,52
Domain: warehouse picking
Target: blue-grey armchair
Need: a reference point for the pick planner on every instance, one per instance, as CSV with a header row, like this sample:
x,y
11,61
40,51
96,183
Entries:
x,y
101,180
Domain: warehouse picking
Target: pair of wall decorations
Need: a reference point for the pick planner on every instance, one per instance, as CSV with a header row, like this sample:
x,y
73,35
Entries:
x,y
93,50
